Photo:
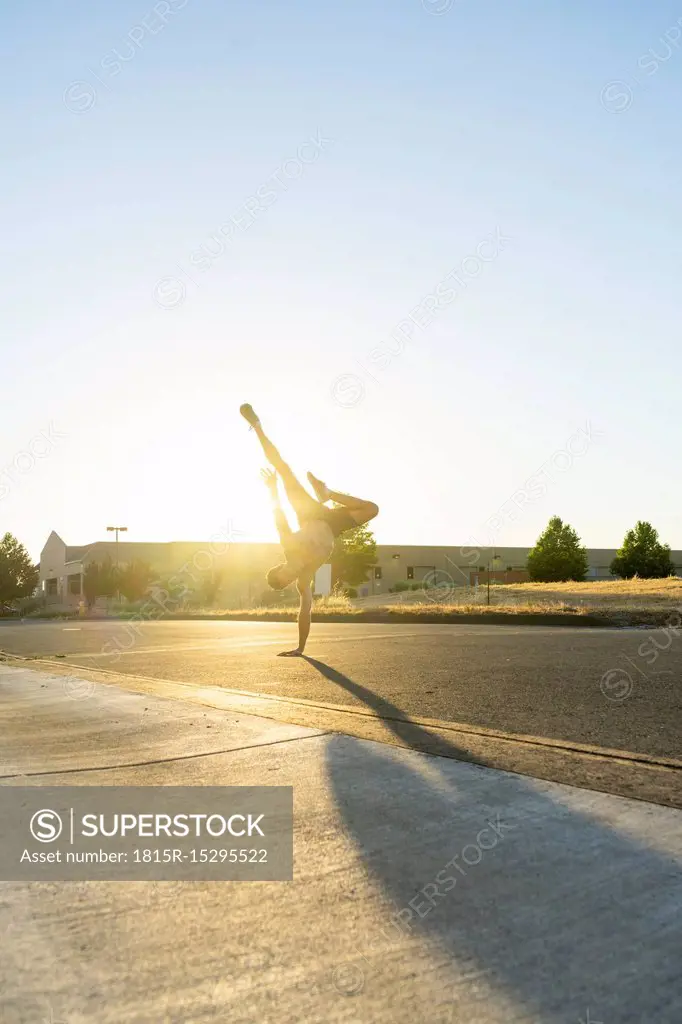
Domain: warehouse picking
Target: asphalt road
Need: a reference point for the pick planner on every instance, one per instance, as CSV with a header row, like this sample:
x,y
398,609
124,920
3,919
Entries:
x,y
584,686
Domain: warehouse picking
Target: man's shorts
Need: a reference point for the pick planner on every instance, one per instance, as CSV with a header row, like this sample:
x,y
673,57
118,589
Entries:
x,y
338,519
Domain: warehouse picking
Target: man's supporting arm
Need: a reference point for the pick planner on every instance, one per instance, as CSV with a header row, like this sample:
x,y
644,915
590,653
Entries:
x,y
305,590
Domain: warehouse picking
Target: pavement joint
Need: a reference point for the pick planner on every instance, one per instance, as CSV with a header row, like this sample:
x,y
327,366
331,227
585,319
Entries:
x,y
164,760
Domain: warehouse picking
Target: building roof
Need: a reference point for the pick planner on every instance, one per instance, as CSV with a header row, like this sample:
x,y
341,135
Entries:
x,y
171,552
75,554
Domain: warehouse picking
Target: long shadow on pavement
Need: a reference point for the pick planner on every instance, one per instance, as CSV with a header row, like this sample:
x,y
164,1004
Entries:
x,y
538,891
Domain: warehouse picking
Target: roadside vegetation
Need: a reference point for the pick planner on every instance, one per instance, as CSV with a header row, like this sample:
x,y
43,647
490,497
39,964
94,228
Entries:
x,y
645,595
18,576
559,556
611,603
608,603
576,596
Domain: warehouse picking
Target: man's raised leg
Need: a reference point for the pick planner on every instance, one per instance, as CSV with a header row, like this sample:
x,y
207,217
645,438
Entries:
x,y
301,502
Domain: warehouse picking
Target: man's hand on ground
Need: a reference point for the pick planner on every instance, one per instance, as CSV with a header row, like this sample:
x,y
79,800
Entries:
x,y
290,654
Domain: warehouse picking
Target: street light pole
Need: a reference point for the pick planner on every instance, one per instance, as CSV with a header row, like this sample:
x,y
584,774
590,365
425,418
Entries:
x,y
494,555
117,530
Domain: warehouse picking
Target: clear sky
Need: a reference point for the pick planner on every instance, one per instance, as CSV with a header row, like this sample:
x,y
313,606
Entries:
x,y
477,152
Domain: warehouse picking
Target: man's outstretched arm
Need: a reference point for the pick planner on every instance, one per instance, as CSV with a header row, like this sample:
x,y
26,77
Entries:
x,y
283,529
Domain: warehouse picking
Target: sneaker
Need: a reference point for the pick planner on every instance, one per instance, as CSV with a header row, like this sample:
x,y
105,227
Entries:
x,y
249,415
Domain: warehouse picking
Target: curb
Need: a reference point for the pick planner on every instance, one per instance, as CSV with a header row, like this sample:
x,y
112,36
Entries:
x,y
643,618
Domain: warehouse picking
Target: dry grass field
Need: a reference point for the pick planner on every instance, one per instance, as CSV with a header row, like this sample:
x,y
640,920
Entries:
x,y
598,596
613,602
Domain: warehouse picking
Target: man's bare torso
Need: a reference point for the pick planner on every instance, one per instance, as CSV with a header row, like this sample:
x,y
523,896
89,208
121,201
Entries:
x,y
313,544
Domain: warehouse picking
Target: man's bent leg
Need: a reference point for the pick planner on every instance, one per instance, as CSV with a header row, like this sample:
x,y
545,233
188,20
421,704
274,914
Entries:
x,y
360,510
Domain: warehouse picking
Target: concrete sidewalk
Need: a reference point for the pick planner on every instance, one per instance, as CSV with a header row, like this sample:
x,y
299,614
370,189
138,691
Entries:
x,y
425,888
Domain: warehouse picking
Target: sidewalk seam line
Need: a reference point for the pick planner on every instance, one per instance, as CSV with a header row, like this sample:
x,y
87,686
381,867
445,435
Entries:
x,y
165,760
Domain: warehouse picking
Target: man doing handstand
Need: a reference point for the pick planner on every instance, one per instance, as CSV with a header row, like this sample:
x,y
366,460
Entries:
x,y
311,546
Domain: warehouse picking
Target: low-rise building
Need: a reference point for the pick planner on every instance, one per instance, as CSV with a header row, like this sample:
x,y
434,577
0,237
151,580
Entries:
x,y
466,566
242,566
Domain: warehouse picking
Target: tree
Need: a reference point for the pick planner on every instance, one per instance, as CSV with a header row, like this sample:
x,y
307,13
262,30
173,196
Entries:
x,y
18,575
91,583
642,554
100,579
134,580
355,552
108,578
171,592
558,554
209,587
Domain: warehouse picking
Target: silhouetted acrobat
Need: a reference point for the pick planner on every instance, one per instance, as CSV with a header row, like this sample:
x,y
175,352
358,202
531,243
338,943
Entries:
x,y
306,549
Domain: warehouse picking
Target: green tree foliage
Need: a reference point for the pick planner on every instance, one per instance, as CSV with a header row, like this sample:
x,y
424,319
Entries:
x,y
90,583
100,579
558,554
209,587
642,554
355,552
134,580
172,592
18,574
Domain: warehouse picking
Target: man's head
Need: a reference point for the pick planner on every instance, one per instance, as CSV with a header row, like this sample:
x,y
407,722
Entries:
x,y
280,576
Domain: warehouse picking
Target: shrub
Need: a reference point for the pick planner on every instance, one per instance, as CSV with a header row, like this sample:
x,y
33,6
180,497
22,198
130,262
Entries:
x,y
277,598
400,586
351,592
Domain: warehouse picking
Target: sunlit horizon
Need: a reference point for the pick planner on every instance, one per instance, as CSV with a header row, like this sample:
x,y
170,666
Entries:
x,y
139,347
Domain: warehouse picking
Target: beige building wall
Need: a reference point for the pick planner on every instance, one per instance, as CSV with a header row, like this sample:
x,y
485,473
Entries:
x,y
243,566
412,563
449,565
61,576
